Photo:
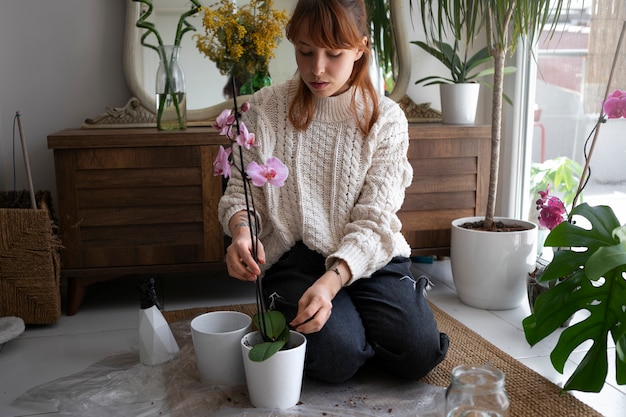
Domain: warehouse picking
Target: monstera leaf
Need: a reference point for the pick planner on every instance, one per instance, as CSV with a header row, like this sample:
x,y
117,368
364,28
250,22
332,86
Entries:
x,y
593,273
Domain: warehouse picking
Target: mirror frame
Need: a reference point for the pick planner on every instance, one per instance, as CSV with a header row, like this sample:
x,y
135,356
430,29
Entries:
x,y
141,104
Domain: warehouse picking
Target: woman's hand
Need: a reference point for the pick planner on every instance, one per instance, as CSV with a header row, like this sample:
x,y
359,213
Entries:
x,y
315,305
239,254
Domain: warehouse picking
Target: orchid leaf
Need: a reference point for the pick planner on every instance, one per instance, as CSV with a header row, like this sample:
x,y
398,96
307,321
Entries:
x,y
594,280
267,349
274,324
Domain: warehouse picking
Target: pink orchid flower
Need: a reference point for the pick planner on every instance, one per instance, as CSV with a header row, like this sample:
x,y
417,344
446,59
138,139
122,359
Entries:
x,y
551,210
543,195
245,138
615,105
221,165
274,172
224,122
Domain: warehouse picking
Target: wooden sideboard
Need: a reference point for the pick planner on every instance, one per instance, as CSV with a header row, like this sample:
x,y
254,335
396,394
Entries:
x,y
450,180
136,201
139,201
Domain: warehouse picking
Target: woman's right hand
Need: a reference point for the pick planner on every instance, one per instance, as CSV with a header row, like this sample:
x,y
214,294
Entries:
x,y
239,254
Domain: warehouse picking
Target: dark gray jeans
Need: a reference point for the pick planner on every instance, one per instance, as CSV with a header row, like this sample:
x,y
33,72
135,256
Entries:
x,y
385,318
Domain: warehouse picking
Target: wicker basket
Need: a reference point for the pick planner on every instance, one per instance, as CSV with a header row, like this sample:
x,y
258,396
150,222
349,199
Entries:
x,y
30,270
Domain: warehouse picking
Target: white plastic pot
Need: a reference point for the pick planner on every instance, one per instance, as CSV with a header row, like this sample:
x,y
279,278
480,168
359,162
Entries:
x,y
276,382
459,103
490,269
216,336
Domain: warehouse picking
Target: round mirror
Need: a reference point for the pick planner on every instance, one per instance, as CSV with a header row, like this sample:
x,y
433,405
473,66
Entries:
x,y
205,85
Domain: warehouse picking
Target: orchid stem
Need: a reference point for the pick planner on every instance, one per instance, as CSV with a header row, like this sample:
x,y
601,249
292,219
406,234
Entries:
x,y
260,303
586,171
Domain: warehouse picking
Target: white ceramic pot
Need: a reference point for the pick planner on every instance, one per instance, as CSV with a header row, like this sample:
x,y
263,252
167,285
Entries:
x,y
216,337
459,103
490,269
277,381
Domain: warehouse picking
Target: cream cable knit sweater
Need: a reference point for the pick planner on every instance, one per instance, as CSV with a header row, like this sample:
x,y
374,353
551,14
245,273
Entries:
x,y
343,189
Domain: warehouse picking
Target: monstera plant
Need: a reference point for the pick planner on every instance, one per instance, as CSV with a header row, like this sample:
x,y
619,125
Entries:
x,y
591,267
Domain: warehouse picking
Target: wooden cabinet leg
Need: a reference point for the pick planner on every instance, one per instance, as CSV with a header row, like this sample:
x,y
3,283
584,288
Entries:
x,y
75,294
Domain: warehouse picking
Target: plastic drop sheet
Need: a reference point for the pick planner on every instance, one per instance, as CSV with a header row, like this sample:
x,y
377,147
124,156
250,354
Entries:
x,y
121,386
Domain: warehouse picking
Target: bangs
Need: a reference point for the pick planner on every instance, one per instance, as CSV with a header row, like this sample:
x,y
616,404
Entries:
x,y
327,15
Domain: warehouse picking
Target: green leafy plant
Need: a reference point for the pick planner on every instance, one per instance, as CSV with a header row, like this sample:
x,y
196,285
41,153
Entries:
x,y
594,269
590,267
383,43
561,174
461,70
276,335
505,23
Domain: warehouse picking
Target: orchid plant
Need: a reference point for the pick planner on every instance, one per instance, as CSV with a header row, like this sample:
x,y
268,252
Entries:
x,y
271,324
591,269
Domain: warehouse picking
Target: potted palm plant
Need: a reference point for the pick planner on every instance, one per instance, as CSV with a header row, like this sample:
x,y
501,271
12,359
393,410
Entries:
x,y
490,269
460,20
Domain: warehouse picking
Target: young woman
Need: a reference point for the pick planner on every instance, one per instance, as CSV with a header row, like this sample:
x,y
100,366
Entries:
x,y
330,252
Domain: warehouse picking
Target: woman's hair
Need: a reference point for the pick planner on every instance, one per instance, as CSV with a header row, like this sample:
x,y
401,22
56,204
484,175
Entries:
x,y
334,24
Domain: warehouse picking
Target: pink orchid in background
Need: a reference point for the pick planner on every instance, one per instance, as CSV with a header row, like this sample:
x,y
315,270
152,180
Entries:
x,y
551,209
274,172
615,105
221,165
245,138
224,123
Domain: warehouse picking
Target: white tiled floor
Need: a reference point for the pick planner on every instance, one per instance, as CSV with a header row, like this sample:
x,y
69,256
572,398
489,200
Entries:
x,y
106,324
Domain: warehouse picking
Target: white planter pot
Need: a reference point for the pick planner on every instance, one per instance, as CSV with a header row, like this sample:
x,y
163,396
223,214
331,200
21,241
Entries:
x,y
216,337
277,381
490,269
459,103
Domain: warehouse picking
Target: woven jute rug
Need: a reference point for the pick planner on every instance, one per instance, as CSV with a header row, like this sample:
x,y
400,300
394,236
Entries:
x,y
530,394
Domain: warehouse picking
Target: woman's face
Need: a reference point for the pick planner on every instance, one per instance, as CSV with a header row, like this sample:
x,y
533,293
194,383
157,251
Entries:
x,y
325,71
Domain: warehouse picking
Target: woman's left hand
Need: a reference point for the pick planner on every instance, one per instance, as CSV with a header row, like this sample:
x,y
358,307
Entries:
x,y
315,305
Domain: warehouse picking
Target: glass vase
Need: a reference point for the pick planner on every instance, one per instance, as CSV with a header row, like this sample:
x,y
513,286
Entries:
x,y
171,99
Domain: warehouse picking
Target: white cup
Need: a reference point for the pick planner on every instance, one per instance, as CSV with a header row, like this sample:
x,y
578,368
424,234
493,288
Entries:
x,y
216,340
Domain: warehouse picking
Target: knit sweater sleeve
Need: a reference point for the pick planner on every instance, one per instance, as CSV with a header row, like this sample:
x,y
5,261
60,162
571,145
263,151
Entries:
x,y
373,237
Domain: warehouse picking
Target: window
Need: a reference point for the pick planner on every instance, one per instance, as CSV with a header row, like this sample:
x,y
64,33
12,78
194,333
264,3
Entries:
x,y
571,82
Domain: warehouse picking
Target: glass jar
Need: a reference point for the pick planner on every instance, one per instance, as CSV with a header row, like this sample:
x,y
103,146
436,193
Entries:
x,y
477,391
171,101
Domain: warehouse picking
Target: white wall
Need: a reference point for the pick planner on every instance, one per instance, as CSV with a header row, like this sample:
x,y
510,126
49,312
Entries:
x,y
68,67
60,63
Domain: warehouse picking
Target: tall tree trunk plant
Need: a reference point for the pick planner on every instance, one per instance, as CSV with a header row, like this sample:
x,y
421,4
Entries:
x,y
505,23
